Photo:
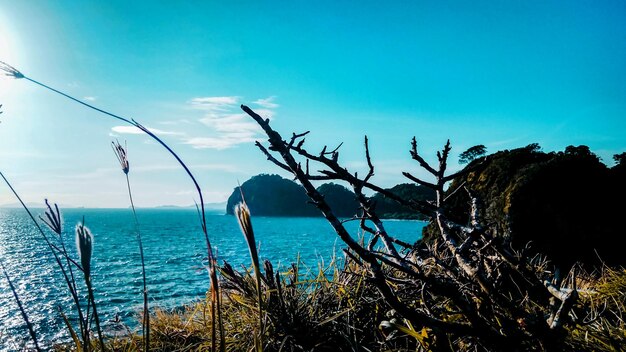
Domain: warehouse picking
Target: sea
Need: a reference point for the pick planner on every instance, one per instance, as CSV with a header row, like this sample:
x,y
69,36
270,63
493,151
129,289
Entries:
x,y
175,256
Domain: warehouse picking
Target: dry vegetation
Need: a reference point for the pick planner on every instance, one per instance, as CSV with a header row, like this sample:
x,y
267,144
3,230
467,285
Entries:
x,y
344,312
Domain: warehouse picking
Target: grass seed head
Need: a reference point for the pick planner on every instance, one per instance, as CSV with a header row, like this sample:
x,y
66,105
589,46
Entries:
x,y
245,223
53,218
121,154
84,244
10,70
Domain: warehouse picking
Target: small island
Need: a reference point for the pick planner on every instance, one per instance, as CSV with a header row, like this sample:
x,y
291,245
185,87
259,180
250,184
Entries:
x,y
272,195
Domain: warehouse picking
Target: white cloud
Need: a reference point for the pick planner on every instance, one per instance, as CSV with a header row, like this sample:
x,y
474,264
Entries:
x,y
230,123
214,103
267,103
216,100
227,125
90,98
135,130
230,126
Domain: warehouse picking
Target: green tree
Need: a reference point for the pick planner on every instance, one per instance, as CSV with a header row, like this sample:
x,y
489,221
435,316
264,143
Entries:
x,y
472,153
620,159
533,147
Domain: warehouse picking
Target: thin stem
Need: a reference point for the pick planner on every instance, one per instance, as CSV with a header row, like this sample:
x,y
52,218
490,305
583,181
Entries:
x,y
74,292
257,273
78,101
19,304
95,311
213,318
55,224
146,315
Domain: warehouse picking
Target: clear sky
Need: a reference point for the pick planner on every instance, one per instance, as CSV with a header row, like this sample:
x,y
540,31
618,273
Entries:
x,y
499,73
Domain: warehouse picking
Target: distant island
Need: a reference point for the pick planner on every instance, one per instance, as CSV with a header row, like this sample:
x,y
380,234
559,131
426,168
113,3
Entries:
x,y
272,195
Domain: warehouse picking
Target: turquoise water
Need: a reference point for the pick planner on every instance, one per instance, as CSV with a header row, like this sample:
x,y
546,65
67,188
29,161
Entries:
x,y
175,253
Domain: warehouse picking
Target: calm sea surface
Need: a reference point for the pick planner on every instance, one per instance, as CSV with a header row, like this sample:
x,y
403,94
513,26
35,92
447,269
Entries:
x,y
174,249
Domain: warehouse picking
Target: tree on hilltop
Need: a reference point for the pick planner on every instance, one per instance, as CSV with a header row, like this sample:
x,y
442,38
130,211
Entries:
x,y
472,153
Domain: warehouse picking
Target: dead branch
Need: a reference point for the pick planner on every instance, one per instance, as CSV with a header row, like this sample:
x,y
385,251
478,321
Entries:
x,y
466,271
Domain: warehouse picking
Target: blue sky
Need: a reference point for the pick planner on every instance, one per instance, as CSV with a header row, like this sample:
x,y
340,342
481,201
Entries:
x,y
503,74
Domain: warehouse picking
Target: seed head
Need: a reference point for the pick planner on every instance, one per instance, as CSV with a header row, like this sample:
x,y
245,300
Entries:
x,y
121,154
10,70
53,218
245,223
84,244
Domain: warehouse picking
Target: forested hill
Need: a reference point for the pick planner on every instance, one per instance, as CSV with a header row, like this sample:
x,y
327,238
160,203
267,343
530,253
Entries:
x,y
568,205
389,209
272,195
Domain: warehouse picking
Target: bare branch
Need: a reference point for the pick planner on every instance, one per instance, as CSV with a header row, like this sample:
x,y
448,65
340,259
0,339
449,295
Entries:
x,y
271,158
443,160
465,270
379,279
335,150
419,181
455,190
415,155
294,137
370,173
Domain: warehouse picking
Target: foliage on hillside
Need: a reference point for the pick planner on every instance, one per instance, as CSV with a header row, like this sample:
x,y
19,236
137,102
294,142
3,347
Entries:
x,y
340,198
561,203
272,195
389,209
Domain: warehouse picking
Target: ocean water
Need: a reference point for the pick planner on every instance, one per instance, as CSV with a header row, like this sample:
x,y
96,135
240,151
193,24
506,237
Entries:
x,y
175,254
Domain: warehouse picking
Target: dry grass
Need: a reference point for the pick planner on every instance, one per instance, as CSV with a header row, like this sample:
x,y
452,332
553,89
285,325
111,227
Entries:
x,y
334,309
602,326
338,309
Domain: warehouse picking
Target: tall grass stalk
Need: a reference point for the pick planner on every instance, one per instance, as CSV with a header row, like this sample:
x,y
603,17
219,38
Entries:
x,y
84,245
71,284
19,304
122,156
245,223
15,73
55,224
